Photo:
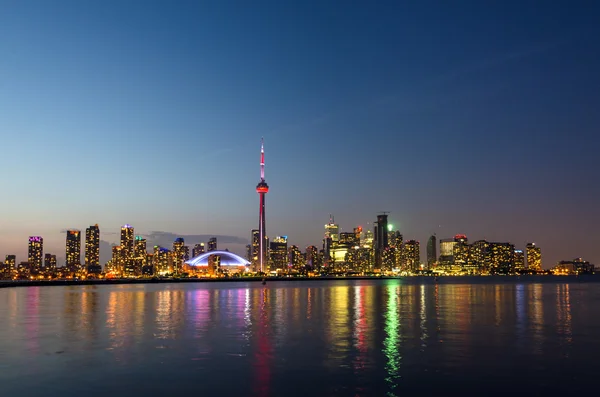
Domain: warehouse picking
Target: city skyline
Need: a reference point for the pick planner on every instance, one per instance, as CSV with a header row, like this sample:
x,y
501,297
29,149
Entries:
x,y
453,124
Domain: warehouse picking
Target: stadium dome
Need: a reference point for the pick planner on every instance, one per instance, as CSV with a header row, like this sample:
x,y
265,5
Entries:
x,y
227,259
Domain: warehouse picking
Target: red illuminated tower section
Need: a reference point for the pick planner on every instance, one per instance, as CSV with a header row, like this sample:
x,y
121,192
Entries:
x,y
262,188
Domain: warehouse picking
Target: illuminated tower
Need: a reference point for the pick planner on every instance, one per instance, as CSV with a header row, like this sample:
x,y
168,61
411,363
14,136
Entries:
x,y
92,249
127,244
73,250
262,188
534,257
35,252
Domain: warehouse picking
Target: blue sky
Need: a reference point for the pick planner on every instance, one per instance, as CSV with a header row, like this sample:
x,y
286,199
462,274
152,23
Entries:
x,y
458,117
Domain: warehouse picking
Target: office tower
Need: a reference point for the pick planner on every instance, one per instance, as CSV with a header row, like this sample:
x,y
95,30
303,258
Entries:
x,y
49,262
186,253
73,250
312,258
212,244
35,252
367,241
519,259
332,230
278,253
534,257
411,254
162,261
380,238
295,258
447,251
254,249
431,251
10,262
501,258
198,250
92,249
460,251
388,259
262,189
479,257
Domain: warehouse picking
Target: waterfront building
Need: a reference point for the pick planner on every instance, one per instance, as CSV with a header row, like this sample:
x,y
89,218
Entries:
x,y
73,251
446,252
10,263
178,254
411,256
460,252
519,259
92,249
278,249
501,260
49,262
380,238
312,258
254,248
198,250
479,257
212,244
534,257
295,259
162,261
431,252
35,253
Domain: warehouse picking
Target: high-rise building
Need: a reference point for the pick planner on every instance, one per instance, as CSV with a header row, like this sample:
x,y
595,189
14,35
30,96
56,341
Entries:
x,y
92,249
295,258
431,251
332,230
278,253
358,233
312,258
73,250
254,249
534,257
10,262
519,258
501,258
411,254
198,250
212,244
140,255
447,251
127,239
460,251
262,189
367,241
479,257
35,253
49,262
178,254
163,261
381,238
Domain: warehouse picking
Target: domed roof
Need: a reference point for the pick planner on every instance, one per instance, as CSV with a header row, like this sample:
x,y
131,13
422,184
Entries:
x,y
227,259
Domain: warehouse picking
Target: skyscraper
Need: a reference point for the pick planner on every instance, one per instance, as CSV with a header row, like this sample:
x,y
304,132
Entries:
x,y
198,250
332,230
92,249
178,254
534,257
381,238
73,250
262,189
35,252
127,237
140,255
431,251
254,249
411,256
49,262
212,244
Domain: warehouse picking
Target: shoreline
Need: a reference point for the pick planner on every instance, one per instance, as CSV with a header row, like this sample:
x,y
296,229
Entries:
x,y
440,279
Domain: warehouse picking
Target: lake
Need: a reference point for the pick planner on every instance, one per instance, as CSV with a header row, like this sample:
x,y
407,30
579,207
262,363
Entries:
x,y
414,336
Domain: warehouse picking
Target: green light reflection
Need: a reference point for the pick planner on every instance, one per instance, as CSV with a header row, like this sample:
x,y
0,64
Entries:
x,y
391,347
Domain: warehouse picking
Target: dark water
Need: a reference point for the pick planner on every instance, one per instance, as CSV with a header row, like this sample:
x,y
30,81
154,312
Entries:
x,y
323,338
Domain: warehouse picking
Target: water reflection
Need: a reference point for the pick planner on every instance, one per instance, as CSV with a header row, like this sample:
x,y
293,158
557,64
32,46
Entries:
x,y
391,346
346,338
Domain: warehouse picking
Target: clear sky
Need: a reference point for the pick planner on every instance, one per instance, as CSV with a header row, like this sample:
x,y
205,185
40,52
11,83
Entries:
x,y
467,117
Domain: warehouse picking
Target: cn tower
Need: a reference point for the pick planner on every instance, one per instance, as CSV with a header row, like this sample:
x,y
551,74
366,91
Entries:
x,y
262,188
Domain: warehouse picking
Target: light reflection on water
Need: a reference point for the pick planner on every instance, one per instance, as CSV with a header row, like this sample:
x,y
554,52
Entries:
x,y
354,338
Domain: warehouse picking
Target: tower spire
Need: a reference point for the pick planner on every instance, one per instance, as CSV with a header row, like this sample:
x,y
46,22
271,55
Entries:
x,y
262,159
